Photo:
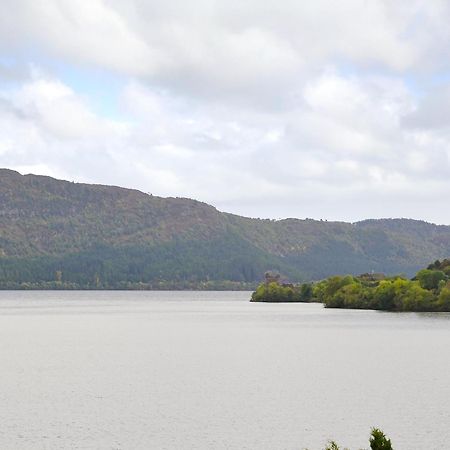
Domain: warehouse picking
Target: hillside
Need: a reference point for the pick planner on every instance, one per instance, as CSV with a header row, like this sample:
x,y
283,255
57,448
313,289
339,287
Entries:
x,y
81,235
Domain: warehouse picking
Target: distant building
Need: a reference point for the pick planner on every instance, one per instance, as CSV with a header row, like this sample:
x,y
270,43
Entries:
x,y
373,276
275,277
272,277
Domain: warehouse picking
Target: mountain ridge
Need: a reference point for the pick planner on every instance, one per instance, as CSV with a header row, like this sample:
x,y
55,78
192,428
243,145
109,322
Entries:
x,y
127,236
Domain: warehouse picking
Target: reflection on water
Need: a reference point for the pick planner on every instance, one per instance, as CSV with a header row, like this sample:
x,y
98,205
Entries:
x,y
202,370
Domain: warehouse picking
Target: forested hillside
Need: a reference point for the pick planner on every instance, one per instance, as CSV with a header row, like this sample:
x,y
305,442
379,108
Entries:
x,y
60,234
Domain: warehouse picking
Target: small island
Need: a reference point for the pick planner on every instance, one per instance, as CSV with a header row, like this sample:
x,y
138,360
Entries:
x,y
428,290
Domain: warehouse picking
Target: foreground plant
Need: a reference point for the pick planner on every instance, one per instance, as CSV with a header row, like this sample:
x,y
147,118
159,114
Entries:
x,y
378,441
332,446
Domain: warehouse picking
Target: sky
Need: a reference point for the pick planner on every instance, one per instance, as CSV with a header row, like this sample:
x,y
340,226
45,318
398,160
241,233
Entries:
x,y
281,108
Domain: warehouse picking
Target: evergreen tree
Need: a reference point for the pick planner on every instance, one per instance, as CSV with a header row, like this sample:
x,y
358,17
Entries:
x,y
378,440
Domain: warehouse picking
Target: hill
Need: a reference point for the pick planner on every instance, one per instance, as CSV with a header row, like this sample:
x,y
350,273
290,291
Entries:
x,y
59,233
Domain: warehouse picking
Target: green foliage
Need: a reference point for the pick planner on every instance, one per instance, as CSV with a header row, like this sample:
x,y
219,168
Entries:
x,y
429,279
427,291
442,266
344,292
384,296
410,296
334,284
306,292
378,440
368,291
278,293
395,294
443,301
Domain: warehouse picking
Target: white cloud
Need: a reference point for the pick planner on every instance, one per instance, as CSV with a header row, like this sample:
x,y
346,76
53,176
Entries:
x,y
269,109
245,50
88,32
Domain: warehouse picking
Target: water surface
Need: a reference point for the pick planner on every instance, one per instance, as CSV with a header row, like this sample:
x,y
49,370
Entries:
x,y
207,370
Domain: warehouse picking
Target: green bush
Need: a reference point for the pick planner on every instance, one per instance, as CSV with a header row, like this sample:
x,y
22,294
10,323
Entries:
x,y
276,292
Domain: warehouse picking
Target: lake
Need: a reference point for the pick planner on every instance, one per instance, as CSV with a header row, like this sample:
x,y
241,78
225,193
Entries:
x,y
209,370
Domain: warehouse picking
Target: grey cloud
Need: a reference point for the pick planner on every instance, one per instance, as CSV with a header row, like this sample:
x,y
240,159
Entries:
x,y
13,73
433,110
6,107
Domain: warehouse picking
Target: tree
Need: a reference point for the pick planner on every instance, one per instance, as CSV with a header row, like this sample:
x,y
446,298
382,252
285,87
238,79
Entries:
x,y
378,440
306,292
429,279
443,301
384,296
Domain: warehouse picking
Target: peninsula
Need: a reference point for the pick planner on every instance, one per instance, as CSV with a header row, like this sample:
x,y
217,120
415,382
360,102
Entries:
x,y
428,290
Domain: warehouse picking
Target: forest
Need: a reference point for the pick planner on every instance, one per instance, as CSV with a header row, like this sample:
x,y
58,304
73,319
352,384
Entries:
x,y
57,234
428,290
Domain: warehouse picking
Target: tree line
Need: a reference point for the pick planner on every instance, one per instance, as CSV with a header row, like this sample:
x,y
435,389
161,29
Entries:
x,y
224,263
428,290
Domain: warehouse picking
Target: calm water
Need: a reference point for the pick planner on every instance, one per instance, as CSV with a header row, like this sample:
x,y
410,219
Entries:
x,y
183,370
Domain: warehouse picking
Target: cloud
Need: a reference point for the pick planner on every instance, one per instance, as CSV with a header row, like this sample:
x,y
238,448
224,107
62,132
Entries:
x,y
238,49
432,110
300,109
